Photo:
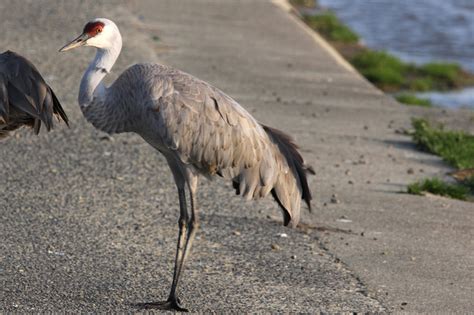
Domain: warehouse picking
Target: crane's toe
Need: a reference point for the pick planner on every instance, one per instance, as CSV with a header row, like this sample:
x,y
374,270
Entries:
x,y
172,304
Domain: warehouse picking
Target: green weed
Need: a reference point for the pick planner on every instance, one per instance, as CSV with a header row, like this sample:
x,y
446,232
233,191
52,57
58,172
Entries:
x,y
455,147
410,99
438,187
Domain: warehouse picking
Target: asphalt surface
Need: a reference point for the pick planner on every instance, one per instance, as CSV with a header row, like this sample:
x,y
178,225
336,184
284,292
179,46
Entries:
x,y
89,222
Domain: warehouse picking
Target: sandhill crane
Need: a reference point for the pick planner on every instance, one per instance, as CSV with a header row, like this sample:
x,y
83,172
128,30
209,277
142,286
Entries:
x,y
199,129
25,98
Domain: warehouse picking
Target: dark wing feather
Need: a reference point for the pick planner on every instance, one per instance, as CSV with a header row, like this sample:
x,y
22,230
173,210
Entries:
x,y
4,103
58,109
25,98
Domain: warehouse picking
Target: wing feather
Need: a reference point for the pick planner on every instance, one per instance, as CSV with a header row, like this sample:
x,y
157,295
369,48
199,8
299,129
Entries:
x,y
204,126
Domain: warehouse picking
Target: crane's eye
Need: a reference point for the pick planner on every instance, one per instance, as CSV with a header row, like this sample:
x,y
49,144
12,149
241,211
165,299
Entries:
x,y
99,30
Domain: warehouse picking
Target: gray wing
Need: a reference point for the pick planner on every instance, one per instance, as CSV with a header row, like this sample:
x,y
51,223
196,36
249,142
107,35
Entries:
x,y
211,131
25,98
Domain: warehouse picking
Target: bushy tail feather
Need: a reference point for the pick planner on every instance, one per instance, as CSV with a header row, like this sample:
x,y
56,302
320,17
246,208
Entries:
x,y
295,161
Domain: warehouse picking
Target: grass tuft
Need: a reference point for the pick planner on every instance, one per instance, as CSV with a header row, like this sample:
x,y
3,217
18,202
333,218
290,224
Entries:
x,y
380,68
330,27
447,73
410,99
438,187
421,84
455,147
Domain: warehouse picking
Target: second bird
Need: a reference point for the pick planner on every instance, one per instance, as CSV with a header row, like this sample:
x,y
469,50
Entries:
x,y
25,98
199,129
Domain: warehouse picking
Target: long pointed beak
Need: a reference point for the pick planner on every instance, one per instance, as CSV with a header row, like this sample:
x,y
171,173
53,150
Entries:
x,y
77,42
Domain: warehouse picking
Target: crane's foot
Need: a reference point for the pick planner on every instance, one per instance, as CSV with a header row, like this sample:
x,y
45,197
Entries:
x,y
172,304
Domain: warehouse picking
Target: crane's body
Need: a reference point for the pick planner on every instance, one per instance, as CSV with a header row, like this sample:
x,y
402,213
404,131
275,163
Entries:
x,y
199,129
25,98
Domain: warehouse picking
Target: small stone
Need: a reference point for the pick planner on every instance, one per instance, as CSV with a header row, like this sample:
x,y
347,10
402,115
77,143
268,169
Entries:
x,y
410,171
334,199
350,182
276,247
293,256
106,138
347,172
366,127
237,233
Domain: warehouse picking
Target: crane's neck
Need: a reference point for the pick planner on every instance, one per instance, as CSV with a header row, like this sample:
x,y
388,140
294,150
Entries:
x,y
91,85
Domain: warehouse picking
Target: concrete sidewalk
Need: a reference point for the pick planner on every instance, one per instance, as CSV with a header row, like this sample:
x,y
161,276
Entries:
x,y
89,221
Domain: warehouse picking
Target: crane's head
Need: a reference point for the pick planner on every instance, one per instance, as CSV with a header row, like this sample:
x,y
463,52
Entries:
x,y
100,33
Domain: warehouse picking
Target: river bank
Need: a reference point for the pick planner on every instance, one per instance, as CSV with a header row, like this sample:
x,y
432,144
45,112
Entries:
x,y
386,70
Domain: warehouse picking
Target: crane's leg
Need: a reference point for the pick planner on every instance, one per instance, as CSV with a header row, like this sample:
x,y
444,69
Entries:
x,y
194,220
172,300
188,227
172,303
187,231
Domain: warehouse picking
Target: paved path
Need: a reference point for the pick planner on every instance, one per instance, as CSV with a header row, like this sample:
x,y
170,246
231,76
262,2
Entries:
x,y
89,222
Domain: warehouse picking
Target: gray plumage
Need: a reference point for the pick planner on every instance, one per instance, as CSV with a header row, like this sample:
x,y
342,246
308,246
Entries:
x,y
199,129
25,98
205,131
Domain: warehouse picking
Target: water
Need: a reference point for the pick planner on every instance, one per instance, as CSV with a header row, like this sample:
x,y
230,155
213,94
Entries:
x,y
418,31
456,99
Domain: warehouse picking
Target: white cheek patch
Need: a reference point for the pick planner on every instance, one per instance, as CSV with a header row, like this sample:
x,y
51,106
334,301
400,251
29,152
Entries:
x,y
95,42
